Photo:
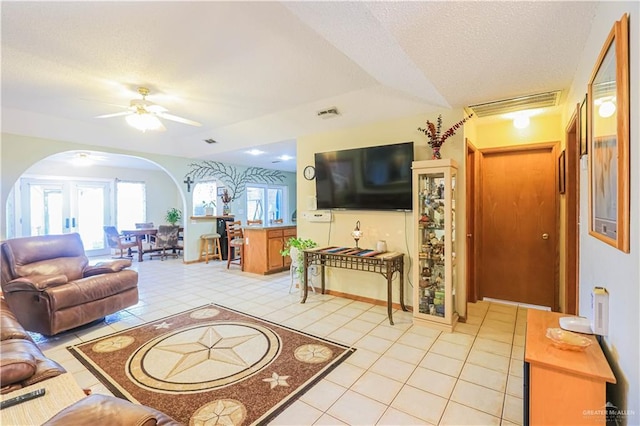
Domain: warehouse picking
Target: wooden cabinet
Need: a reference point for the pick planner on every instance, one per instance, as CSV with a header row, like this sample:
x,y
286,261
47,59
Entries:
x,y
434,221
562,387
262,248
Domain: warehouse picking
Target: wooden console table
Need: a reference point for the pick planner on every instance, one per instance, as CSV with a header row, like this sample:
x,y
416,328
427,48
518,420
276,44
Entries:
x,y
562,387
385,264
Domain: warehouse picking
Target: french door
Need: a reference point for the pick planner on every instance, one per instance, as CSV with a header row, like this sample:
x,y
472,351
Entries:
x,y
62,207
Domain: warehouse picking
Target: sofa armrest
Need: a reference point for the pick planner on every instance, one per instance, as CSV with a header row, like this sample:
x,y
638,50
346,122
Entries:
x,y
34,282
106,267
109,410
15,365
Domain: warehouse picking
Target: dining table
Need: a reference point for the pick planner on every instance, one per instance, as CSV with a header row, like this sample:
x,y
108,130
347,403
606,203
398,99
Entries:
x,y
143,234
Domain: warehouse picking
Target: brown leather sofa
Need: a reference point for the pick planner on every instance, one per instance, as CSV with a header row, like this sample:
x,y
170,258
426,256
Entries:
x,y
49,285
23,364
21,361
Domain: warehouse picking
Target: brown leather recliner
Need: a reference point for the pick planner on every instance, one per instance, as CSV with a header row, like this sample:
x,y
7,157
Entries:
x,y
49,285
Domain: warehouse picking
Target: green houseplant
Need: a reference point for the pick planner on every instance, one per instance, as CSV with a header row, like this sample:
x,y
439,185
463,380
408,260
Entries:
x,y
294,248
173,216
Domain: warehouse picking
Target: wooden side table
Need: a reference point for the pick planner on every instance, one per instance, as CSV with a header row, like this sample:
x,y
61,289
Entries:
x,y
61,391
564,387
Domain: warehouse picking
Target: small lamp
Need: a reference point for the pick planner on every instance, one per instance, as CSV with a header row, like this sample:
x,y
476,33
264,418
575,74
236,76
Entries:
x,y
357,233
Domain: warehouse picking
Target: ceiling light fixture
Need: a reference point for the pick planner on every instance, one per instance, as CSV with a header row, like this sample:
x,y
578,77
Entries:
x,y
254,152
521,122
606,106
143,121
285,157
82,159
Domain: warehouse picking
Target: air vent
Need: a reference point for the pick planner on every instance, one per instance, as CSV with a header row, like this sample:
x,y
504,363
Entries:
x,y
539,100
210,141
328,113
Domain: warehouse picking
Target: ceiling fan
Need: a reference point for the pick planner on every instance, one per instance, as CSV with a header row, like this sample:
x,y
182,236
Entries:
x,y
145,115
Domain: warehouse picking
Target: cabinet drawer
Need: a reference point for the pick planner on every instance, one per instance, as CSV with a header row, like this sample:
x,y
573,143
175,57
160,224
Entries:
x,y
274,233
291,232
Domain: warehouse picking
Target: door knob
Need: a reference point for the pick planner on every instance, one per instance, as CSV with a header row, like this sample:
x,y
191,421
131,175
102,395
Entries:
x,y
469,235
545,236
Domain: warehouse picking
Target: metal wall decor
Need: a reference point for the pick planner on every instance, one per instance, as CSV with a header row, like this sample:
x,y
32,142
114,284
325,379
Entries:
x,y
234,179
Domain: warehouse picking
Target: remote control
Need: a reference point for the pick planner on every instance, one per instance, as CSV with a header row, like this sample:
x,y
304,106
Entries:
x,y
22,398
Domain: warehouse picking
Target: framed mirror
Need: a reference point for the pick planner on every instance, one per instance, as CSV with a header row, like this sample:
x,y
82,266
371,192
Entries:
x,y
608,139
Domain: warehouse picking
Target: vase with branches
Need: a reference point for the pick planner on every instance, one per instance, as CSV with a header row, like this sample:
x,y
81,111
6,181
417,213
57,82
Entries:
x,y
435,137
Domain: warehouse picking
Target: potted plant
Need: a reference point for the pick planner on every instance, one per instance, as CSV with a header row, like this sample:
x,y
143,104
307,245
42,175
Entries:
x,y
294,248
209,208
173,216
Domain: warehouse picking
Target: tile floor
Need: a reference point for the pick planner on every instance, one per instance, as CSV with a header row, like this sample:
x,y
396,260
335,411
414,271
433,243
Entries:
x,y
399,375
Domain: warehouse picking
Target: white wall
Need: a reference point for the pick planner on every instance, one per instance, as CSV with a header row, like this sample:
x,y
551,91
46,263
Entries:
x,y
394,227
601,264
166,189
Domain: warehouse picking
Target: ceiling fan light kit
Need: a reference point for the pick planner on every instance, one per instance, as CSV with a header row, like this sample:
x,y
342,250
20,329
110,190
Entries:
x,y
145,115
144,121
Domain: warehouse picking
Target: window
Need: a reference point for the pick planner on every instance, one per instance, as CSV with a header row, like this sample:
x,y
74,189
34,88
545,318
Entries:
x,y
131,204
203,194
266,202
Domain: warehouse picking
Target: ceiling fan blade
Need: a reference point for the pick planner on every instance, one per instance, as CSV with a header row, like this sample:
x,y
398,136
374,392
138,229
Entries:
x,y
179,119
116,114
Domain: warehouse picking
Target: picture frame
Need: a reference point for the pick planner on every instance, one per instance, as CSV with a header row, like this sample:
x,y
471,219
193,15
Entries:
x,y
608,136
562,173
584,132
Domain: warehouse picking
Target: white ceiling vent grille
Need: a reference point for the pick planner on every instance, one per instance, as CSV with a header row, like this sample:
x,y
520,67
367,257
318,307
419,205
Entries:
x,y
539,100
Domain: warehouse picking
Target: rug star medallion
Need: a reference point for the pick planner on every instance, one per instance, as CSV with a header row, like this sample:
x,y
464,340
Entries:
x,y
211,365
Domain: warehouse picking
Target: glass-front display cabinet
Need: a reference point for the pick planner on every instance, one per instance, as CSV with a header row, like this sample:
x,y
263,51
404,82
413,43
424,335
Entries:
x,y
434,218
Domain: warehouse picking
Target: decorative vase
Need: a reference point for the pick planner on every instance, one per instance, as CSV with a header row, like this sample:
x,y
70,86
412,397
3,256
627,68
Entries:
x,y
436,153
208,211
226,210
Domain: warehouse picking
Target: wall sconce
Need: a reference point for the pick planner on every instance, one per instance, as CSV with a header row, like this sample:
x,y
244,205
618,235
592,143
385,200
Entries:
x,y
357,233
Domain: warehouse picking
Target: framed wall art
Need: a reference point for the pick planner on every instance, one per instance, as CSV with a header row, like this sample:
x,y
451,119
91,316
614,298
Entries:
x,y
562,173
584,133
608,136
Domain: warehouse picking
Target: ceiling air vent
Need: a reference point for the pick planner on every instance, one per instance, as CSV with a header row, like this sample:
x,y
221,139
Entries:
x,y
328,113
539,100
210,141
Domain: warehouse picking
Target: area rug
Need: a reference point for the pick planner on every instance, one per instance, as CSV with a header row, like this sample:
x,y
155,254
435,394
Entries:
x,y
211,365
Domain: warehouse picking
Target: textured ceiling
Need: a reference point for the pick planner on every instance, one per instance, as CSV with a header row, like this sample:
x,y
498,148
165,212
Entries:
x,y
256,73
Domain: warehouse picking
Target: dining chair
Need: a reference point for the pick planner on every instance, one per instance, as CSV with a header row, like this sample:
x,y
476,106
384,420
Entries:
x,y
235,243
254,222
119,242
166,238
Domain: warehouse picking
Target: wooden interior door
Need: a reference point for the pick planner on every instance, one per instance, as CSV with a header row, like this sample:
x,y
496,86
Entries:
x,y
518,224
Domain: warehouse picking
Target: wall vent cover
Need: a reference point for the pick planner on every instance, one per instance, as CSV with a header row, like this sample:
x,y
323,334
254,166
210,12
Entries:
x,y
538,100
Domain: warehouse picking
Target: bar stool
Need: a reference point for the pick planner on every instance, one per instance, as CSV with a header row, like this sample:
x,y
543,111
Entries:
x,y
210,242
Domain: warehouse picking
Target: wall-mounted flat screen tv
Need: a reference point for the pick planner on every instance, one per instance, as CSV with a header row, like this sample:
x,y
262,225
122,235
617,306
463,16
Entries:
x,y
371,178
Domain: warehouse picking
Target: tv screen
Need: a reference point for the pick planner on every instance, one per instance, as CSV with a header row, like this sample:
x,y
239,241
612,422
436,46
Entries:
x,y
372,178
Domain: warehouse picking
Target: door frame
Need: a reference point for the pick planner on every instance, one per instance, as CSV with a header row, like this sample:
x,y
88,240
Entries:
x,y
68,187
571,253
554,148
471,196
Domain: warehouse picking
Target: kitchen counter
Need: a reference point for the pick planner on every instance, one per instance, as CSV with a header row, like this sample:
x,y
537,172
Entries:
x,y
262,246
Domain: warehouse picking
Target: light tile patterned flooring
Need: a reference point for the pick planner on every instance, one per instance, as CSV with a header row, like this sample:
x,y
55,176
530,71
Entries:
x,y
399,375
